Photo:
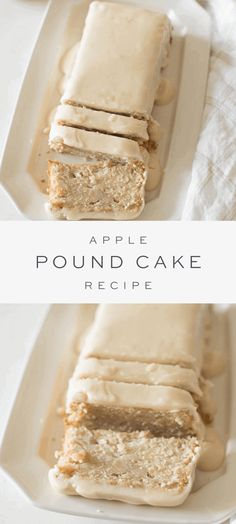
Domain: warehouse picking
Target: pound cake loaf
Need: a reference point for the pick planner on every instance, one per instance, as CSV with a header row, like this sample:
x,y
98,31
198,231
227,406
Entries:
x,y
105,111
136,406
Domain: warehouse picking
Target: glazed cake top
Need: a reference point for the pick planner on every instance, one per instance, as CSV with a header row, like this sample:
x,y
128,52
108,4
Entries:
x,y
101,121
161,333
118,64
138,373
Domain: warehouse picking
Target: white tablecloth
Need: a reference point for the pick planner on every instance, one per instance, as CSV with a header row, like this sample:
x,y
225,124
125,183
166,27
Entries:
x,y
212,191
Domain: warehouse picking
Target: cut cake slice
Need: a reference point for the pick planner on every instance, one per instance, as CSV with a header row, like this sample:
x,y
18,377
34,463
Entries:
x,y
93,144
164,410
105,190
138,373
114,124
133,467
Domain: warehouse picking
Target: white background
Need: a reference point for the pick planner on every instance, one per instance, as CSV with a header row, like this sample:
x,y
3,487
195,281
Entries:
x,y
21,242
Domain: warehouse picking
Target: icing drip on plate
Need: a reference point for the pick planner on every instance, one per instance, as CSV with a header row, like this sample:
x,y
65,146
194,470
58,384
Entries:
x,y
212,452
165,92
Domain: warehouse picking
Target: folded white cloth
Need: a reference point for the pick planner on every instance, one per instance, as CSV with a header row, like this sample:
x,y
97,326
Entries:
x,y
212,190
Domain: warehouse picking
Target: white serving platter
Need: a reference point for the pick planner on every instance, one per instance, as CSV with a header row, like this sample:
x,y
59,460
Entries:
x,y
34,430
24,164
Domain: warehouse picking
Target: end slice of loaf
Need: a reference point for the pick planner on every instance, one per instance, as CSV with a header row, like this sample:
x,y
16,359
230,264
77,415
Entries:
x,y
92,144
133,467
90,119
164,410
104,190
138,373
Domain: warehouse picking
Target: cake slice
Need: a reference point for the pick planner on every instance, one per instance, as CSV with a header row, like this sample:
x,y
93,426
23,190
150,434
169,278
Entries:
x,y
133,467
104,190
118,65
90,119
92,144
165,411
138,373
153,374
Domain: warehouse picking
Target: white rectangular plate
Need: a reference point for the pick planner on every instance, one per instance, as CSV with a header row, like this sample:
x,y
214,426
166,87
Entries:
x,y
24,165
34,430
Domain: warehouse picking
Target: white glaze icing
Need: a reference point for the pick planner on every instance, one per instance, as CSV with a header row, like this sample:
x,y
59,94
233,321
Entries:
x,y
154,130
138,373
90,489
165,92
214,363
161,333
74,214
93,143
119,39
155,170
207,403
155,173
101,121
212,451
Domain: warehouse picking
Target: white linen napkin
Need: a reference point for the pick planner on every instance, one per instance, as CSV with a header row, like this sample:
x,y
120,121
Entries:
x,y
212,190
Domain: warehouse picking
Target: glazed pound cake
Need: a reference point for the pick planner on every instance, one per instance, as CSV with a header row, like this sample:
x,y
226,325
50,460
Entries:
x,y
105,111
133,467
136,406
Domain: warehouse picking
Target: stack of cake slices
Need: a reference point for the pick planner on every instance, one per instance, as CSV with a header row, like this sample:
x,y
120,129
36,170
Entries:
x,y
137,406
104,136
